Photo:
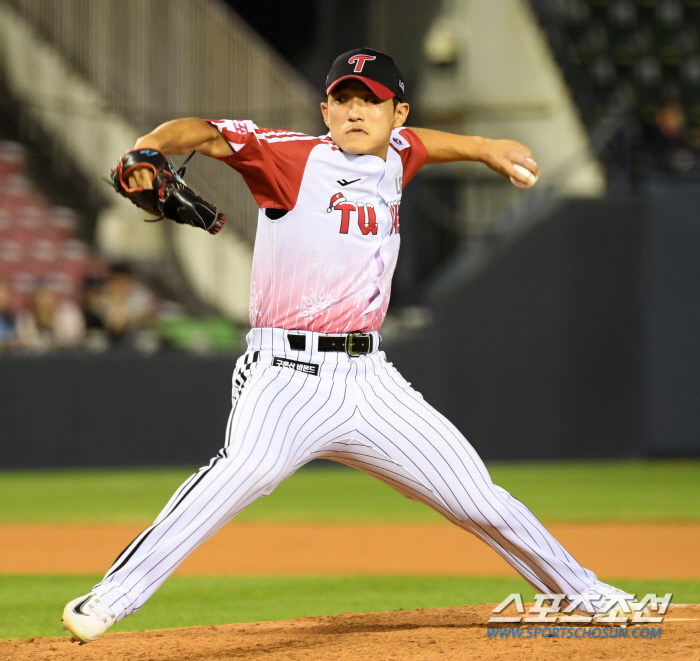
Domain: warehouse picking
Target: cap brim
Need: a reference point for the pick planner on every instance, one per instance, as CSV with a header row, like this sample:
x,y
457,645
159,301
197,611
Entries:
x,y
383,93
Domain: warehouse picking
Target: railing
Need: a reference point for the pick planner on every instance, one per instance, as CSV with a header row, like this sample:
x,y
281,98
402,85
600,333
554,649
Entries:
x,y
154,60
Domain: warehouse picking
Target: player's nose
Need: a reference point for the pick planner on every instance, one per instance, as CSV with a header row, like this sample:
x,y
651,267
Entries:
x,y
355,111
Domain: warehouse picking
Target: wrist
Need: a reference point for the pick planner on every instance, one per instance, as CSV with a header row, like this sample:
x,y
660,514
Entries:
x,y
482,148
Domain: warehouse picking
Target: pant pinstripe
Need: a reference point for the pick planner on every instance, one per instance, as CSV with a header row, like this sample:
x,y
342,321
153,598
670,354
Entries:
x,y
357,411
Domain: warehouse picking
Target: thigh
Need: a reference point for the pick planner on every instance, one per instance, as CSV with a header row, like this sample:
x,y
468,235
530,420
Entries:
x,y
419,438
270,419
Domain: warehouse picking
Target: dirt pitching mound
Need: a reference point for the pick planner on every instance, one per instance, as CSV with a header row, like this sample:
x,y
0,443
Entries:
x,y
443,633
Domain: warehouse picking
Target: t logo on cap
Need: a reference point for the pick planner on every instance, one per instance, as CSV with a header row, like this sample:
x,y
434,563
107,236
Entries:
x,y
382,77
359,61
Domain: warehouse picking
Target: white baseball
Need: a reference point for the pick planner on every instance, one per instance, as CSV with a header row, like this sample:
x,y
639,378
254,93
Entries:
x,y
533,178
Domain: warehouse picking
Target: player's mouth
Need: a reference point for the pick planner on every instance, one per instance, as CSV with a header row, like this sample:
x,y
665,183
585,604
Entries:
x,y
357,130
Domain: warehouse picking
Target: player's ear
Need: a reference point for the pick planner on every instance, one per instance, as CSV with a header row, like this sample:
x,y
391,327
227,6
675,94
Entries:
x,y
401,114
324,112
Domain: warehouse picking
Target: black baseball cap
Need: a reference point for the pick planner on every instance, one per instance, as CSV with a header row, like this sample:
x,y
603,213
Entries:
x,y
374,69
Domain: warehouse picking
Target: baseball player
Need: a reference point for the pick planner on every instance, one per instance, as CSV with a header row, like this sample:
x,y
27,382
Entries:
x,y
313,382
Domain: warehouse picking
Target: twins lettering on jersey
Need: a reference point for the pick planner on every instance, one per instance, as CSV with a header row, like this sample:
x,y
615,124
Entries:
x,y
365,213
394,210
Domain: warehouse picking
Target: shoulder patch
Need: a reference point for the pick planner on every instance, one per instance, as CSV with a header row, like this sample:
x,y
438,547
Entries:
x,y
397,141
236,131
240,126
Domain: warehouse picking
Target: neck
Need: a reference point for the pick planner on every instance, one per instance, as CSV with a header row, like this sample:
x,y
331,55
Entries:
x,y
381,151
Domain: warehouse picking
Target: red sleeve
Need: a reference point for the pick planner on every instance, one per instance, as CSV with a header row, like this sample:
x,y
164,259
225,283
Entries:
x,y
411,150
271,162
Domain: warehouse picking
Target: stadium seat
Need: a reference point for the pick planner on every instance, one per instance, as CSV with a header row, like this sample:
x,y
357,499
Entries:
x,y
22,286
28,226
42,257
11,257
5,225
73,258
62,224
644,50
12,158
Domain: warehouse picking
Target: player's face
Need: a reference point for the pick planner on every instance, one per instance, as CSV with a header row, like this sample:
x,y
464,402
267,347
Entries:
x,y
360,123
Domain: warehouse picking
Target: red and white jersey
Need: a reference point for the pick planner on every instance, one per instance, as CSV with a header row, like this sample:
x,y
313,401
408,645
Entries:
x,y
325,265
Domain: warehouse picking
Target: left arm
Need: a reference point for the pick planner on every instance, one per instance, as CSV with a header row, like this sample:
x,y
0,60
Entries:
x,y
499,155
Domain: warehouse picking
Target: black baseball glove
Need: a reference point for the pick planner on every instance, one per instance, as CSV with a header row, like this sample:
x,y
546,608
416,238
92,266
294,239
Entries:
x,y
170,197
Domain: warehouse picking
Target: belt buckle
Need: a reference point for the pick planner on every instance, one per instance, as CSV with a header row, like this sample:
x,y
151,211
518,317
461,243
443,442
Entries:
x,y
348,344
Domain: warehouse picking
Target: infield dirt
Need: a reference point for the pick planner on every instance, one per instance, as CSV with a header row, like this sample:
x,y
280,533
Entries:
x,y
622,550
422,635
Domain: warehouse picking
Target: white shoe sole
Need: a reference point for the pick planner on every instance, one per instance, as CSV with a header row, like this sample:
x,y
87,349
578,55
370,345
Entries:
x,y
71,626
68,626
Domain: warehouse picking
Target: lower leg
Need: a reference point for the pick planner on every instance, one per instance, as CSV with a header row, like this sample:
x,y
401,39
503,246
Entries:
x,y
430,449
514,532
205,502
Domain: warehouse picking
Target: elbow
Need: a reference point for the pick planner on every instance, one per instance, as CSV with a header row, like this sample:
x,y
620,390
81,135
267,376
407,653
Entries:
x,y
147,141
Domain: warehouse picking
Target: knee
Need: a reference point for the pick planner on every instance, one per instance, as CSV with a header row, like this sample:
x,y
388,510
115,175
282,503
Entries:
x,y
262,480
490,511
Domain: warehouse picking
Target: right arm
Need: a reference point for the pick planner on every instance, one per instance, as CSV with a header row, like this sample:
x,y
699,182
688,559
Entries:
x,y
177,137
499,155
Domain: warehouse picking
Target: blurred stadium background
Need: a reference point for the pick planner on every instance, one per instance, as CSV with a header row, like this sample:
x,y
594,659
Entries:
x,y
563,322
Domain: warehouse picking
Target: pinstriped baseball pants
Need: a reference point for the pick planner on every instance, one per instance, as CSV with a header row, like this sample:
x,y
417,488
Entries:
x,y
358,411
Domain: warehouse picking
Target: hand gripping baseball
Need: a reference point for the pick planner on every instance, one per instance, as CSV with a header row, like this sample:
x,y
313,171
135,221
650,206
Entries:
x,y
170,197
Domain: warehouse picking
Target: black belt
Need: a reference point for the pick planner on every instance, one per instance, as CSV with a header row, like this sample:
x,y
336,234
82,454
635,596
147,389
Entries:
x,y
354,344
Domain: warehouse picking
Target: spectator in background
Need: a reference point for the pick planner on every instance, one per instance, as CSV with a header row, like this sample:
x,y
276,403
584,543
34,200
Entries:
x,y
7,319
91,304
96,339
50,324
127,308
668,142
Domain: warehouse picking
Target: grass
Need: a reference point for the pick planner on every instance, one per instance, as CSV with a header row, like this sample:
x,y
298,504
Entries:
x,y
606,491
557,491
35,602
582,491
